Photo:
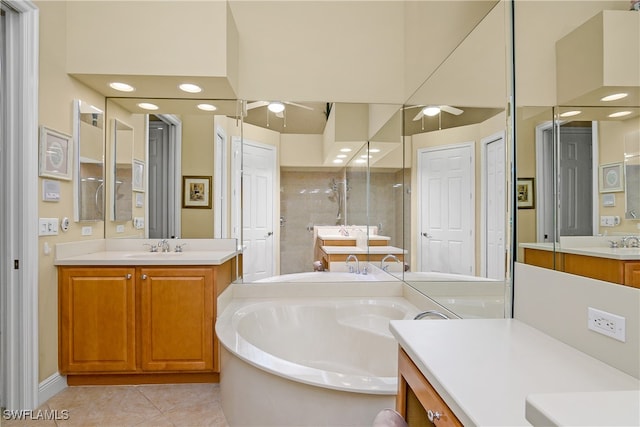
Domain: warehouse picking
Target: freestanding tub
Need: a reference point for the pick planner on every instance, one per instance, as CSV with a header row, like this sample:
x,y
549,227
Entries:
x,y
309,362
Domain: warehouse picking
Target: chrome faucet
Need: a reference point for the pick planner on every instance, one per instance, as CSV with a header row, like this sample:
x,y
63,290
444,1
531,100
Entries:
x,y
179,247
351,258
386,267
164,245
432,313
627,242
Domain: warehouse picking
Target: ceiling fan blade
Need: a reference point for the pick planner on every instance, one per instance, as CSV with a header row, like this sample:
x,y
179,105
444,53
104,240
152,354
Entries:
x,y
418,116
298,105
408,107
451,110
256,104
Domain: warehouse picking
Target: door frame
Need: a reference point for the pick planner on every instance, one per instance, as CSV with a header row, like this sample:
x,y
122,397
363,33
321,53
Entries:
x,y
472,184
542,178
484,142
220,201
20,358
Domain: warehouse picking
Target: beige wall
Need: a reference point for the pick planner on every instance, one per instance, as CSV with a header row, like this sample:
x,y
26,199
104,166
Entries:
x,y
56,94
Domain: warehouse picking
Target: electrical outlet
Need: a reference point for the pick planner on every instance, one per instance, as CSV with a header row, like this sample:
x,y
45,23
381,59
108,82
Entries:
x,y
87,230
119,228
608,324
48,227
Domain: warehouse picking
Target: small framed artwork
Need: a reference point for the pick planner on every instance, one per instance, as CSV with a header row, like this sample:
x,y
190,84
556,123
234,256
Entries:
x,y
611,178
138,176
56,154
526,193
196,192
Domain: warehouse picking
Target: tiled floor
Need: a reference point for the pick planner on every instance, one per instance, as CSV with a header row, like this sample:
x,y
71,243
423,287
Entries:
x,y
188,405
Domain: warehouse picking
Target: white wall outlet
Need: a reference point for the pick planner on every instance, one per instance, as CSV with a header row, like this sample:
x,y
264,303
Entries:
x,y
608,324
609,221
119,228
138,223
87,230
48,227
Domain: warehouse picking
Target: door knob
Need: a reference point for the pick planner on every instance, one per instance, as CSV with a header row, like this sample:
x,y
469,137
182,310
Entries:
x,y
427,235
269,234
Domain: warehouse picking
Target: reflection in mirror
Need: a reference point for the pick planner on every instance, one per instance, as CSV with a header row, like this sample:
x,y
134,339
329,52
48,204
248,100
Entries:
x,y
89,137
122,192
456,139
632,175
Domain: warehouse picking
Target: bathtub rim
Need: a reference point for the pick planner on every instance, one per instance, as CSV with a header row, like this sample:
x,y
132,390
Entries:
x,y
239,347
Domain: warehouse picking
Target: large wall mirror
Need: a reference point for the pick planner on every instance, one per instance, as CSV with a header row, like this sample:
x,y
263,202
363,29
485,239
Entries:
x,y
577,184
89,141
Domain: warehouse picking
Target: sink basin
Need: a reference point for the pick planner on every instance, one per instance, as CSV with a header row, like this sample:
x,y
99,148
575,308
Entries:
x,y
154,254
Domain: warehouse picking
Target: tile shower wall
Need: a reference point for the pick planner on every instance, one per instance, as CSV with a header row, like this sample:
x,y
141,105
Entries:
x,y
308,199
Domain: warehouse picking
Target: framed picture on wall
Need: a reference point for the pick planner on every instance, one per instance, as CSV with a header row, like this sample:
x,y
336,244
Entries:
x,y
526,193
611,178
196,192
56,154
137,183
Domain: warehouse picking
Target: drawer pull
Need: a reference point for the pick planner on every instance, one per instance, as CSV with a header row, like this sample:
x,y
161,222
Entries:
x,y
128,276
433,416
143,277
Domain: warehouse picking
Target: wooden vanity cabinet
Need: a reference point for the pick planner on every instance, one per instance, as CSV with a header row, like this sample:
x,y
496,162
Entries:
x,y
417,401
120,325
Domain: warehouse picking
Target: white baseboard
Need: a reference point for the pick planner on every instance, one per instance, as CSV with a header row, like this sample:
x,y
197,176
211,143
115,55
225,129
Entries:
x,y
50,387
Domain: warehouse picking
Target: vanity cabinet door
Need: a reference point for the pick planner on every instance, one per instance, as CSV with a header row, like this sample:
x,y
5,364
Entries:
x,y
97,319
176,318
632,274
417,401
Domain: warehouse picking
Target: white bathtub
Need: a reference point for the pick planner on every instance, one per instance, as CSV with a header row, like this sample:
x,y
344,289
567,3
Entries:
x,y
374,274
312,362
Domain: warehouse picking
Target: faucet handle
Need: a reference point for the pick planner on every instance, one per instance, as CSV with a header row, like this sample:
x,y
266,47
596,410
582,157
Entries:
x,y
152,248
179,247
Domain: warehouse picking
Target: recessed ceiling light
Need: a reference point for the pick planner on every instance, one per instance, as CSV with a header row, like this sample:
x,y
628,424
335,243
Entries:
x,y
361,161
190,87
341,156
614,97
147,106
570,113
430,111
345,150
364,156
374,150
122,87
207,107
620,114
276,107
337,161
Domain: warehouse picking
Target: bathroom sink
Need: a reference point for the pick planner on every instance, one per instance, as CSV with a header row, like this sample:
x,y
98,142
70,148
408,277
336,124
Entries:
x,y
154,254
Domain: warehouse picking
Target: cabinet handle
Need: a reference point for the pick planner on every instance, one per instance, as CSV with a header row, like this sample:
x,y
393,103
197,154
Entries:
x,y
433,415
143,277
128,276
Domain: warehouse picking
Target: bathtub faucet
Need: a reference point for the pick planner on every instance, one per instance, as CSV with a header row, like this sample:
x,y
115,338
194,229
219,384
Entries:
x,y
386,267
352,257
431,313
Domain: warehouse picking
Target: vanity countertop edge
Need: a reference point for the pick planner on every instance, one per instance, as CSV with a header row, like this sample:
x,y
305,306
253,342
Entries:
x,y
485,369
130,252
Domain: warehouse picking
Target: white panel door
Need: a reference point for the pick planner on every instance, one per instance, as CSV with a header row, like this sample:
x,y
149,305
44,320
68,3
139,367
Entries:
x,y
446,210
158,146
258,169
495,205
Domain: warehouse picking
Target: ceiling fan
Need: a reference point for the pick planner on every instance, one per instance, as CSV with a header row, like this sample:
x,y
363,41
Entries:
x,y
276,107
434,110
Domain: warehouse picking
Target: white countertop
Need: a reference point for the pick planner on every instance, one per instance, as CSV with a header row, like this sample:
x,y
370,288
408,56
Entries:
x,y
625,254
341,237
356,250
119,252
596,408
485,369
149,258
